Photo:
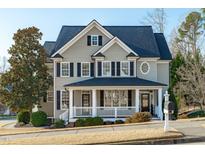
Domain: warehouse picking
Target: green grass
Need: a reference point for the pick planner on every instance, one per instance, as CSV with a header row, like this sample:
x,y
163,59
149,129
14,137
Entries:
x,y
4,117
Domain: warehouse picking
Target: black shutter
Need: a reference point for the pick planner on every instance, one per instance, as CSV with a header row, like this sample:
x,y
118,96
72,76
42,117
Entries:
x,y
99,68
58,69
71,69
58,99
45,98
113,68
92,69
100,40
101,98
118,68
131,68
79,69
129,97
88,40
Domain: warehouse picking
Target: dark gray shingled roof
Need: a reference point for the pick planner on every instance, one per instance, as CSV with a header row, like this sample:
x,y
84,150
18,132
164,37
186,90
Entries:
x,y
115,82
140,39
49,47
163,47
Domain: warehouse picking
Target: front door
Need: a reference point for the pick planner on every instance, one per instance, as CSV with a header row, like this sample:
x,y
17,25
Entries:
x,y
86,104
145,102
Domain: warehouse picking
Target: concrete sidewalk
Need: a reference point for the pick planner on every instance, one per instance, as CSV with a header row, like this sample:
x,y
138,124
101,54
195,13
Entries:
x,y
190,128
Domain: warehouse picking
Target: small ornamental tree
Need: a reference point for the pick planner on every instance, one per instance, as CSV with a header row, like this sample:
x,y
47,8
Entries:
x,y
27,80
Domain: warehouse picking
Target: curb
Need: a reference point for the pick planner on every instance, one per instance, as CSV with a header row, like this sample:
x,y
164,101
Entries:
x,y
163,141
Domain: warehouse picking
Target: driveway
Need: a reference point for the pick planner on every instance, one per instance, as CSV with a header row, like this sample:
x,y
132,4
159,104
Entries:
x,y
7,123
189,128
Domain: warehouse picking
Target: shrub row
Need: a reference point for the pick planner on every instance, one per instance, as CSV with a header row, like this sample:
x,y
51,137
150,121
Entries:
x,y
81,122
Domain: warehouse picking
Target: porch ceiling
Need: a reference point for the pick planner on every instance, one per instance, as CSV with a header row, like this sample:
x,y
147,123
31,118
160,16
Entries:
x,y
117,81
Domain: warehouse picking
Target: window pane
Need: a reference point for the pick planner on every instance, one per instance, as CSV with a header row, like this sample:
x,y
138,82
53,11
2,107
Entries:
x,y
65,69
106,69
65,99
94,40
116,98
85,69
49,96
125,68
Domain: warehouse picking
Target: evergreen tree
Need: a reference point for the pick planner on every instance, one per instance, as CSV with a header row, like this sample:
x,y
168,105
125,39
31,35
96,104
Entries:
x,y
27,80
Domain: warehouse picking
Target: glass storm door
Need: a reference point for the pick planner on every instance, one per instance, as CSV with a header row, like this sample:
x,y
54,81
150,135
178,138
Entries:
x,y
145,103
86,103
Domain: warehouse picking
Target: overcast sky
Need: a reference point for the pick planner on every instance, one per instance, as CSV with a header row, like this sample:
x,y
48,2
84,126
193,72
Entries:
x,y
49,21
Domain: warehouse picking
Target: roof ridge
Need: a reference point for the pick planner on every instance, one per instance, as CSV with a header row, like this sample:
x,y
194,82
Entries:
x,y
109,25
50,41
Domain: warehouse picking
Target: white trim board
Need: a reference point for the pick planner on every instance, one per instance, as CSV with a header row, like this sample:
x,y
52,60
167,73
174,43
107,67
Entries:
x,y
112,42
92,24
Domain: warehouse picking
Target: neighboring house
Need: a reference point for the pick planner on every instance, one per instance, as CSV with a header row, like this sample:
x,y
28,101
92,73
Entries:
x,y
107,71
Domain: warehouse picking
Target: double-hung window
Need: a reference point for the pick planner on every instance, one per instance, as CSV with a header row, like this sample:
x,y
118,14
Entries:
x,y
106,68
125,68
49,96
64,100
65,69
85,69
94,40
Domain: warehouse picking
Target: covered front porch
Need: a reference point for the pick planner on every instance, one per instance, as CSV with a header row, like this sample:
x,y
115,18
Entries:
x,y
114,101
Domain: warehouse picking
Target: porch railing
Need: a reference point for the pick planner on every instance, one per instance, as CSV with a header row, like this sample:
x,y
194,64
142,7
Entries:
x,y
104,111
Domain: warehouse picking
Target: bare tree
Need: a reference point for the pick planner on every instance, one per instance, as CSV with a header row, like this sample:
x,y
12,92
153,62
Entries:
x,y
192,79
157,19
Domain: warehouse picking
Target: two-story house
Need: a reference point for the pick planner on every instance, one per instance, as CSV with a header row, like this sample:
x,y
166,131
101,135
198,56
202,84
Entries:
x,y
107,71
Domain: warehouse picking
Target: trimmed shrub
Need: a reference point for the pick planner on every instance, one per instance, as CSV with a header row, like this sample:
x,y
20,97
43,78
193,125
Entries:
x,y
81,122
182,116
59,123
195,114
119,122
139,117
108,122
39,118
23,116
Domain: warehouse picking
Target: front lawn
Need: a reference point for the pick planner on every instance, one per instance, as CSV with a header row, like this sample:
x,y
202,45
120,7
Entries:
x,y
98,137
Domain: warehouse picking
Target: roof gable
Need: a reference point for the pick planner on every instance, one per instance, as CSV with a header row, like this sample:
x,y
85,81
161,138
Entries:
x,y
112,42
80,34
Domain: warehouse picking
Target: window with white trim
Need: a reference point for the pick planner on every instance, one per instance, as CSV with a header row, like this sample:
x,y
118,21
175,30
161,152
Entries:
x,y
125,65
94,40
106,68
116,98
144,67
64,100
85,69
65,69
49,96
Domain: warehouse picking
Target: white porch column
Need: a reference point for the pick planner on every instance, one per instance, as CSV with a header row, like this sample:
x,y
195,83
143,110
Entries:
x,y
94,103
137,100
160,114
70,103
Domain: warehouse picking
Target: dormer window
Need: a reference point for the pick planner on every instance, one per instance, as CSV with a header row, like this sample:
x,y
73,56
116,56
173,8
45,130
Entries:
x,y
94,40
